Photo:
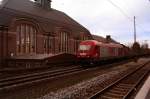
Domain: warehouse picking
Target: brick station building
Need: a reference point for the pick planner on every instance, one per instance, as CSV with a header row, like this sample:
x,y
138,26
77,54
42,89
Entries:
x,y
28,27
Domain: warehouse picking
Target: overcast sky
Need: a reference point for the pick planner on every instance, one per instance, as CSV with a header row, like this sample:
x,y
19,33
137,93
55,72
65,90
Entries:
x,y
110,17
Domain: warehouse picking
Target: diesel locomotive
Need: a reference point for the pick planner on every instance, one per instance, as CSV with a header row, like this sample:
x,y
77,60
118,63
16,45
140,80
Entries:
x,y
92,51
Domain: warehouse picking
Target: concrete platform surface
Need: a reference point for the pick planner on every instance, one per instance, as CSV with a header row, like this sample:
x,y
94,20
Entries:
x,y
144,93
148,95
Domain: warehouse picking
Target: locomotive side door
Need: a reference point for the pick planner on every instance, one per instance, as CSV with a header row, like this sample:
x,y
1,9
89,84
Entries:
x,y
97,52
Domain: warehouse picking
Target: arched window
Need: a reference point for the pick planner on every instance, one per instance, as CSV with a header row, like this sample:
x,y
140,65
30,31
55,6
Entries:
x,y
26,39
63,44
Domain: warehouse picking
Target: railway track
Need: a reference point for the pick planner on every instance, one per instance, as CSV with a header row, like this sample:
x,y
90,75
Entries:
x,y
123,87
16,81
12,82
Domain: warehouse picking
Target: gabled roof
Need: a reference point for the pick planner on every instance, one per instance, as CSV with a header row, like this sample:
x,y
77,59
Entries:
x,y
30,8
99,38
102,39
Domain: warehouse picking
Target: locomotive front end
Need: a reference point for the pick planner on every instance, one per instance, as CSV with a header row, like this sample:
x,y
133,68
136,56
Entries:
x,y
87,52
84,51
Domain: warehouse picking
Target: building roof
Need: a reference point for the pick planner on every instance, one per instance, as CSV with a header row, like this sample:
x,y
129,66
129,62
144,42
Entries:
x,y
102,39
27,8
99,38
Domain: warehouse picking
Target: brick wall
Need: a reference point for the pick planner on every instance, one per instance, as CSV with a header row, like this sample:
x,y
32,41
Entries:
x,y
40,44
3,45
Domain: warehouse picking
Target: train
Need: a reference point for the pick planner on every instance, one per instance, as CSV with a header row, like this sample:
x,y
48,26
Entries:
x,y
92,51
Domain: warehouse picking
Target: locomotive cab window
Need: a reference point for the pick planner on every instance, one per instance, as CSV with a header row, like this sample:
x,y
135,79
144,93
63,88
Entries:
x,y
84,47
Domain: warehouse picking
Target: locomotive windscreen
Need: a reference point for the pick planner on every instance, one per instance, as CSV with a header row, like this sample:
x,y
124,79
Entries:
x,y
84,47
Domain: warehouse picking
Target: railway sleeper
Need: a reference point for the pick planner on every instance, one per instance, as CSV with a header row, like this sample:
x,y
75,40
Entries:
x,y
108,97
117,91
112,94
124,86
121,89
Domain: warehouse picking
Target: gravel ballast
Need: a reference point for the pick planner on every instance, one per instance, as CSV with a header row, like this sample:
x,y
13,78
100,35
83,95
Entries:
x,y
82,89
88,87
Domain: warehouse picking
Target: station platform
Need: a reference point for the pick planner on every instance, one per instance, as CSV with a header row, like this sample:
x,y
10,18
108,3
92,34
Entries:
x,y
144,92
38,60
32,56
148,95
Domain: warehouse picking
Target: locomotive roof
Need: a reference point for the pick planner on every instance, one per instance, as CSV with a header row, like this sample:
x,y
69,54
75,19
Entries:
x,y
94,42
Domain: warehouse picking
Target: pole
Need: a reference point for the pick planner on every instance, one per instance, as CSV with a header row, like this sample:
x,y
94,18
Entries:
x,y
134,30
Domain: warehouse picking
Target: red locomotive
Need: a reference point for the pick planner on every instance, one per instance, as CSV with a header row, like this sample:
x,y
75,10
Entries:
x,y
93,51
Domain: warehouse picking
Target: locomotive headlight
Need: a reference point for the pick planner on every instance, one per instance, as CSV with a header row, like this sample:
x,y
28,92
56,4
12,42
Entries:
x,y
82,53
88,56
96,55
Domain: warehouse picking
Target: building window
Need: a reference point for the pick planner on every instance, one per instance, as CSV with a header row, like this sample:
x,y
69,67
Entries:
x,y
48,44
26,39
63,43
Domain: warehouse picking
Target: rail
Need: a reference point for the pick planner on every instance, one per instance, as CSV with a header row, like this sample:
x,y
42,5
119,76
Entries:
x,y
119,89
12,82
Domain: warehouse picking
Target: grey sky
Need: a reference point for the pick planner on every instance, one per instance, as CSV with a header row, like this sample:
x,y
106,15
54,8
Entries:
x,y
101,17
110,17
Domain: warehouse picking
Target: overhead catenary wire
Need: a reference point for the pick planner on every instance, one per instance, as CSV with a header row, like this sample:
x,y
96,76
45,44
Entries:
x,y
125,14
120,9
